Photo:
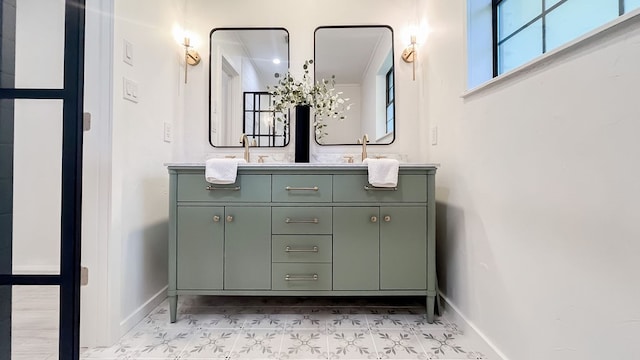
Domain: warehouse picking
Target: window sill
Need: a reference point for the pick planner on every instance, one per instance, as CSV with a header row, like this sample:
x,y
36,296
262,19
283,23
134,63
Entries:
x,y
570,47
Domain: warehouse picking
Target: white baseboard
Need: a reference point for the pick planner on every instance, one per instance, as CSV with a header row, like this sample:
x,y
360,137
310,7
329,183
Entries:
x,y
36,270
461,317
134,318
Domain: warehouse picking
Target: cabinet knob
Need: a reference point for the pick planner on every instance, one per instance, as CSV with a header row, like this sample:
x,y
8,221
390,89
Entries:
x,y
229,218
374,219
216,218
387,218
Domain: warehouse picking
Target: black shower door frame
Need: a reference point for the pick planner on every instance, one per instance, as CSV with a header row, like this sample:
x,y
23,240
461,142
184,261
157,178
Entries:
x,y
72,98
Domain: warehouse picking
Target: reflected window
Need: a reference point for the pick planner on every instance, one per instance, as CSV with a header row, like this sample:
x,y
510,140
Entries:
x,y
260,125
390,102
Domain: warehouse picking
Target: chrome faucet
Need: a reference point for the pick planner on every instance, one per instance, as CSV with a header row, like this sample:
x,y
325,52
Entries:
x,y
244,140
364,141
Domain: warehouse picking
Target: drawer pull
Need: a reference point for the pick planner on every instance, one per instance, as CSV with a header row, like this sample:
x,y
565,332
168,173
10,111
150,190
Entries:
x,y
374,219
387,218
313,277
290,250
229,218
373,188
289,188
211,188
216,218
311,221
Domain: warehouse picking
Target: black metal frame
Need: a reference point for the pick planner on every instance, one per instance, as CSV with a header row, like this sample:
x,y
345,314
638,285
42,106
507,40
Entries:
x,y
254,132
544,12
393,66
210,50
392,101
72,97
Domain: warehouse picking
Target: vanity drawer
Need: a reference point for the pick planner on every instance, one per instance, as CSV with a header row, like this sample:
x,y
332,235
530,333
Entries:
x,y
351,188
301,248
301,220
247,188
300,276
301,188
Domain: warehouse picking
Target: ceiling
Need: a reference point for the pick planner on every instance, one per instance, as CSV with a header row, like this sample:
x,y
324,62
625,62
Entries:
x,y
346,51
341,51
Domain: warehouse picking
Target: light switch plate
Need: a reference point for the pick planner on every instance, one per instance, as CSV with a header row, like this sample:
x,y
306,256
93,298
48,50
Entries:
x,y
168,132
127,52
434,135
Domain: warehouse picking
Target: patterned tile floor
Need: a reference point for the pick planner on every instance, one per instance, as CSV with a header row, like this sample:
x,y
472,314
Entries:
x,y
295,328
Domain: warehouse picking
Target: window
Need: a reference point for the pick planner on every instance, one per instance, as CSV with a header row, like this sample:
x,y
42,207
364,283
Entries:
x,y
259,125
525,29
390,101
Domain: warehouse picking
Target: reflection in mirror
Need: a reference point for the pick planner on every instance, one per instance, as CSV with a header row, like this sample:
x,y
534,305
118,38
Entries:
x,y
244,62
361,58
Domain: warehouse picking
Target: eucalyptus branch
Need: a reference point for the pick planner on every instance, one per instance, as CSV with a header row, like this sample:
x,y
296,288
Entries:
x,y
321,96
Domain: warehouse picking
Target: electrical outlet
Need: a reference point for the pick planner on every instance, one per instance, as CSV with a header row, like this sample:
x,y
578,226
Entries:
x,y
168,132
434,135
130,90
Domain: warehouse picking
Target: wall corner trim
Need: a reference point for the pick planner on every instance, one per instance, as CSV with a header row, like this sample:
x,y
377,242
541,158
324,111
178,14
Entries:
x,y
138,314
471,325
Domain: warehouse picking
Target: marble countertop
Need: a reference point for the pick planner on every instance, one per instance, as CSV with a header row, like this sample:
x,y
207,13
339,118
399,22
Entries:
x,y
301,166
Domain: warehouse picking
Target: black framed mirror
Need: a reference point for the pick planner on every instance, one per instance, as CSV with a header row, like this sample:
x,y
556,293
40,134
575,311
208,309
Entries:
x,y
360,57
244,62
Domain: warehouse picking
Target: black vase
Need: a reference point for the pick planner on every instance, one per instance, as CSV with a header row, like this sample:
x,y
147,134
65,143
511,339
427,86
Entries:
x,y
302,133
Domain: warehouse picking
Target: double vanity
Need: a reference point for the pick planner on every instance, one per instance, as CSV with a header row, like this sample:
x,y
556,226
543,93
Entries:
x,y
302,230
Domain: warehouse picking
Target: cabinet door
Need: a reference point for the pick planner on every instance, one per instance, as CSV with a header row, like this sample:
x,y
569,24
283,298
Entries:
x,y
247,252
199,247
403,248
355,248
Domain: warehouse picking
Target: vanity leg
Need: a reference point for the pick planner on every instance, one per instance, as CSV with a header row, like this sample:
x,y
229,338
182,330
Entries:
x,y
431,306
173,307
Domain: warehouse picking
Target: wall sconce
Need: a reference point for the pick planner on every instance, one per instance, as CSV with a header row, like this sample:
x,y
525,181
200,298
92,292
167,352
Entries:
x,y
410,55
191,56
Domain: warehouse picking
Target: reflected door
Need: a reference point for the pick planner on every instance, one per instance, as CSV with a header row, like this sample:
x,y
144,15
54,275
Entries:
x,y
41,81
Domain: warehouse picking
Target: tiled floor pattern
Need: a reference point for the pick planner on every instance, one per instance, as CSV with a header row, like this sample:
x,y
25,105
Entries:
x,y
294,328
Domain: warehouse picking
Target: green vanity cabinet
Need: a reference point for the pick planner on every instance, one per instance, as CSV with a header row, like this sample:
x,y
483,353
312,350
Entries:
x,y
247,248
356,248
403,247
379,248
200,251
302,230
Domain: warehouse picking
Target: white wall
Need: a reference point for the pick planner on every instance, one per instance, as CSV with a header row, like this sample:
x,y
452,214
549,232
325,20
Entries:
x,y
300,18
537,195
374,91
140,180
349,129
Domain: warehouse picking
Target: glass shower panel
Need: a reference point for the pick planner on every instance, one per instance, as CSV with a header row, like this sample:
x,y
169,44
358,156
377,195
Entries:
x,y
32,174
29,322
34,30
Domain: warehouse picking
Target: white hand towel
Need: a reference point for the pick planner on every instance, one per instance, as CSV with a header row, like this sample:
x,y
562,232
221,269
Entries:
x,y
383,172
222,171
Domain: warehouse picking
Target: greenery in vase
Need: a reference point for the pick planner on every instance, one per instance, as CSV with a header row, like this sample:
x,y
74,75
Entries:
x,y
320,96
